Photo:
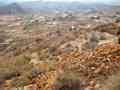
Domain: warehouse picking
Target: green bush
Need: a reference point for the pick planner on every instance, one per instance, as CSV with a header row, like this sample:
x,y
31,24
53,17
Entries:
x,y
118,13
98,17
22,60
70,29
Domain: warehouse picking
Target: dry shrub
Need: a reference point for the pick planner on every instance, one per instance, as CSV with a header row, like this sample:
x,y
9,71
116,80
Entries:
x,y
119,39
62,42
57,52
118,31
70,37
67,81
112,83
94,38
118,19
102,37
8,73
89,45
68,45
109,28
54,50
36,71
22,60
24,81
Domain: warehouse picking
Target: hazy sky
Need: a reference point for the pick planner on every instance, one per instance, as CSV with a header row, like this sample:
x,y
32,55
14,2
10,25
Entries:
x,y
3,1
14,0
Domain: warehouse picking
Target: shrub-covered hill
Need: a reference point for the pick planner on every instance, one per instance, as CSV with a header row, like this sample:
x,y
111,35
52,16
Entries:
x,y
13,8
75,71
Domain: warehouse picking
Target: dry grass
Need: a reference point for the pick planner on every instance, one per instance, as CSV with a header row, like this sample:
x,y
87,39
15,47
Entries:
x,y
67,81
113,82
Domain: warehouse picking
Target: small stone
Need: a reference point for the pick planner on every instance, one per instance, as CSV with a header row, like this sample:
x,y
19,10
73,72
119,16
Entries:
x,y
97,86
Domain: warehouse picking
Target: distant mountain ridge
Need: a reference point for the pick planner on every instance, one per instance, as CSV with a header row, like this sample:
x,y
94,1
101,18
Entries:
x,y
65,6
50,6
2,4
13,8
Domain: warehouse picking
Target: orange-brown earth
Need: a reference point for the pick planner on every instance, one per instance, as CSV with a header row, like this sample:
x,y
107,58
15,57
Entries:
x,y
93,66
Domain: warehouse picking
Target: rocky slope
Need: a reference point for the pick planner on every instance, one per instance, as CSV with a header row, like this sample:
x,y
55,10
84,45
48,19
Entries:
x,y
75,71
43,65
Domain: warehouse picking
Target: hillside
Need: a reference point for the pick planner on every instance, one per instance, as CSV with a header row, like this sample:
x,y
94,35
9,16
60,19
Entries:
x,y
80,69
59,50
40,65
74,71
13,8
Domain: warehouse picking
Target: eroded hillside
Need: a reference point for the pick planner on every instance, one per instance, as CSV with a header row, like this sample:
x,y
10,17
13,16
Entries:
x,y
60,51
75,71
